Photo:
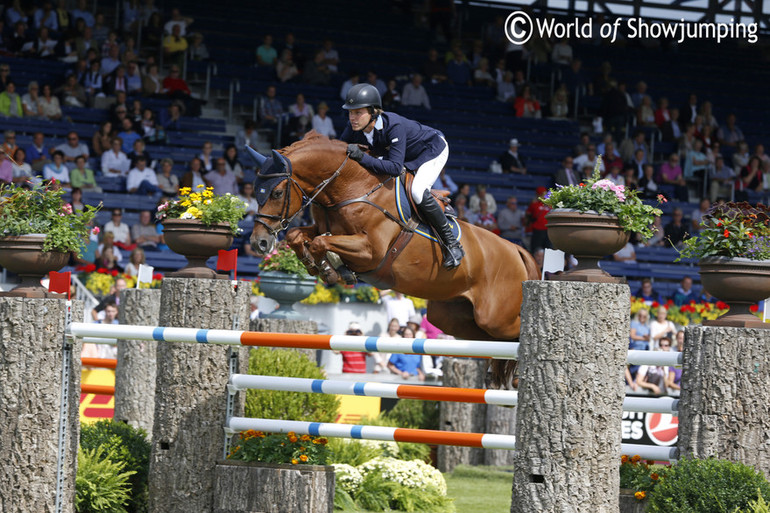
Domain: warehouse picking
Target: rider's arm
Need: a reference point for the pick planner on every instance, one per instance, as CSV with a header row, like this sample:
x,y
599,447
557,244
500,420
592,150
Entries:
x,y
393,162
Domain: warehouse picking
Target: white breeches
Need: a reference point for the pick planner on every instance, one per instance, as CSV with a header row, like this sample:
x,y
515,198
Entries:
x,y
427,174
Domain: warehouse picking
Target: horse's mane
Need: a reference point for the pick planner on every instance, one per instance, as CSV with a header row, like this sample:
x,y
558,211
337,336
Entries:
x,y
315,141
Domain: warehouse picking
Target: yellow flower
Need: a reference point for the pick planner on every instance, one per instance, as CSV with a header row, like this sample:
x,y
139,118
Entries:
x,y
186,203
640,495
195,196
294,461
303,458
200,186
208,193
184,191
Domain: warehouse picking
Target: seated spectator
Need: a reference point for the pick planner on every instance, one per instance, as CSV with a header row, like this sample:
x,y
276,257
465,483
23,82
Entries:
x,y
37,152
112,60
76,199
198,50
482,196
175,46
463,213
695,163
662,114
168,181
567,175
414,94
482,76
9,145
72,149
610,157
232,163
560,103
29,102
653,377
207,159
658,234
101,141
649,187
353,79
392,98
270,109
177,88
323,123
171,119
247,196
286,69
458,69
152,133
107,260
354,361
6,169
671,130
614,176
140,150
674,377
526,106
301,117
648,294
626,254
56,170
331,56
133,78
247,136
629,147
434,68
72,93
685,293
152,82
194,177
23,175
590,158
144,234
722,180
661,327
640,331
221,179
112,298
142,179
506,91
120,232
750,179
371,78
486,219
41,47
114,162
128,136
10,102
636,164
511,161
671,174
511,221
536,223
676,230
730,134
406,365
83,177
645,114
316,71
698,214
266,54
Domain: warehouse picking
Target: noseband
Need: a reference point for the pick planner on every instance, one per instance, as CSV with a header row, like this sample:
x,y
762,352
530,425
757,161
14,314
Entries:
x,y
285,219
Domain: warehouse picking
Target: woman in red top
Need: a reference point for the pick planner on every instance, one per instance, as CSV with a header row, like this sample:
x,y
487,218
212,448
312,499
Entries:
x,y
750,179
526,105
354,361
534,219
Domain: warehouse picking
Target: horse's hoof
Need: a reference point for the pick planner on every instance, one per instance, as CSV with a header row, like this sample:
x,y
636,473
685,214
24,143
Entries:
x,y
347,276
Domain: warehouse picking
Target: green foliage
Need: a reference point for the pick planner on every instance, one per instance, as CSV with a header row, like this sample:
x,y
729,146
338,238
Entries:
x,y
380,494
42,210
414,413
270,404
640,475
480,489
603,196
101,485
352,452
731,230
279,448
711,485
203,204
482,472
343,500
758,506
127,445
406,450
283,259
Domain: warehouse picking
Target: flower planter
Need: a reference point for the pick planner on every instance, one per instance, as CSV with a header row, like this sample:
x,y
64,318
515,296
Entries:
x,y
196,242
629,503
24,255
741,283
246,487
589,237
286,289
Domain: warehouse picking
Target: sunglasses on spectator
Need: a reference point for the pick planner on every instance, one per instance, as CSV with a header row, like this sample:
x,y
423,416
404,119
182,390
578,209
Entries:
x,y
665,345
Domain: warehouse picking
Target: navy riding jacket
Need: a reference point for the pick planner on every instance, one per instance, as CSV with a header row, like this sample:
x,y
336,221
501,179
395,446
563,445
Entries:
x,y
398,142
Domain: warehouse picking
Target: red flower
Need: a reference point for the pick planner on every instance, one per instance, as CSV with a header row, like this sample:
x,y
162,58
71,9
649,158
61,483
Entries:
x,y
751,236
157,276
102,270
727,232
754,308
114,273
655,304
669,302
90,268
582,184
722,305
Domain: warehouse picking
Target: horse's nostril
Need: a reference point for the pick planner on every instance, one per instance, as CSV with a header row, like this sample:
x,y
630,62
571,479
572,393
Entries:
x,y
262,245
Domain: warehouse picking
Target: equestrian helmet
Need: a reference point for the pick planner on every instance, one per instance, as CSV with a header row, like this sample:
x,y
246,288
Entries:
x,y
362,95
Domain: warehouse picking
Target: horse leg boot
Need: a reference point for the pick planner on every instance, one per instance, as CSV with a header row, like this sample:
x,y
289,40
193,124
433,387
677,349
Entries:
x,y
431,211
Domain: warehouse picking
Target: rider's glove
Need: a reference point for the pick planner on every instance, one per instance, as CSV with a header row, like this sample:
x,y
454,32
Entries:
x,y
355,152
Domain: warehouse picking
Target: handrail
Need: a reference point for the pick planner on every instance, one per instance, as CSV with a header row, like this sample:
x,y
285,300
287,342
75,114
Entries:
x,y
83,294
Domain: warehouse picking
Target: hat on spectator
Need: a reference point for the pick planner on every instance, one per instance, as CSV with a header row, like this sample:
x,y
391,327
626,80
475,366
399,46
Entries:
x,y
415,319
354,326
513,142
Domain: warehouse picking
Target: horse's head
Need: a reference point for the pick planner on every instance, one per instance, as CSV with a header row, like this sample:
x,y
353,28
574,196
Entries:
x,y
279,198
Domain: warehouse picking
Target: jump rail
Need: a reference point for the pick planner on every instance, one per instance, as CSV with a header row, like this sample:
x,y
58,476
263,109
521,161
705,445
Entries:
x,y
425,436
467,348
428,393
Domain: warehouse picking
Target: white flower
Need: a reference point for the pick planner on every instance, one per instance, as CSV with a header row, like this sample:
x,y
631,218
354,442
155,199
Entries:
x,y
414,473
187,215
348,477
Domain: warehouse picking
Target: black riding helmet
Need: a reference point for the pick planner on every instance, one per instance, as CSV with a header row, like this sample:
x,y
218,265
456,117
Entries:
x,y
362,95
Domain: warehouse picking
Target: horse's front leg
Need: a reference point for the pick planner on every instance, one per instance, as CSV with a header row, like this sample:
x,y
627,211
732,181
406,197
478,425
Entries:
x,y
355,251
299,239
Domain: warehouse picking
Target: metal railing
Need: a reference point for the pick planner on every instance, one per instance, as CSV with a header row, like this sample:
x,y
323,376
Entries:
x,y
84,295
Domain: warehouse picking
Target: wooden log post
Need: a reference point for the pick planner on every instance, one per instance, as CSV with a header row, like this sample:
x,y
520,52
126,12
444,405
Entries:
x,y
574,339
724,408
467,373
135,373
31,357
190,393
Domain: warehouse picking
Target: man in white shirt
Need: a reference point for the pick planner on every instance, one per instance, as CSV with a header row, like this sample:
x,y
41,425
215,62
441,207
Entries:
x,y
221,179
120,230
72,149
414,94
588,158
114,161
398,307
141,179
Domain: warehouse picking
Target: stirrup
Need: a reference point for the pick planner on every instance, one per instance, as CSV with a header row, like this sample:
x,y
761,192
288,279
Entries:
x,y
453,257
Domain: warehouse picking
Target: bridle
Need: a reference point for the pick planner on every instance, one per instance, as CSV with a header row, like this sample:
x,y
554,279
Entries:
x,y
285,219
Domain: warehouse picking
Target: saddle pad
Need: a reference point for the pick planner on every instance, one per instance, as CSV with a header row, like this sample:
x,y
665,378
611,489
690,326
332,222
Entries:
x,y
405,214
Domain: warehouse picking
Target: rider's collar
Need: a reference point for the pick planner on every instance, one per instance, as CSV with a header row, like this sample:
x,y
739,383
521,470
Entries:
x,y
378,124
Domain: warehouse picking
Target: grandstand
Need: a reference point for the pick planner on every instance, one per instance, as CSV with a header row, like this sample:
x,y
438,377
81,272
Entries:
x,y
394,43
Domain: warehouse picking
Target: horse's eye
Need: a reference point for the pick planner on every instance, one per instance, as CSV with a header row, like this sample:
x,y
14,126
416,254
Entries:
x,y
277,194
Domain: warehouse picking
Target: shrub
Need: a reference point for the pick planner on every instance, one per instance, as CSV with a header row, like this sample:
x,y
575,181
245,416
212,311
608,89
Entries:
x,y
406,450
127,445
353,452
269,404
100,484
710,485
413,413
758,506
639,475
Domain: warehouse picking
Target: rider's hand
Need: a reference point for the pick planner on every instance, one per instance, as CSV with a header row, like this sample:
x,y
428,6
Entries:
x,y
355,152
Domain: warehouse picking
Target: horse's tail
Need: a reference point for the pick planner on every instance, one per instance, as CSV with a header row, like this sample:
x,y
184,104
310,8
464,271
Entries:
x,y
504,372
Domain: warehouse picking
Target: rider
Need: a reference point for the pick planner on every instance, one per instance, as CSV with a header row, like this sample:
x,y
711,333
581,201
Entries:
x,y
397,142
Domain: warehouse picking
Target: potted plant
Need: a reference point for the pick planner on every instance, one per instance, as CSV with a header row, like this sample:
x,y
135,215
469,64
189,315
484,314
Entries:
x,y
594,219
283,277
637,479
38,232
275,472
197,225
733,249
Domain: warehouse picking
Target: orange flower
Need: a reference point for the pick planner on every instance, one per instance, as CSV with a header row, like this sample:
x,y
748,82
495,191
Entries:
x,y
323,441
651,462
751,236
303,458
624,458
294,461
654,476
291,433
305,438
636,458
260,434
293,439
640,495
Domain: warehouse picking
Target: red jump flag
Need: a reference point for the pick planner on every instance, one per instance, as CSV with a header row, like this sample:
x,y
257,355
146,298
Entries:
x,y
228,261
59,283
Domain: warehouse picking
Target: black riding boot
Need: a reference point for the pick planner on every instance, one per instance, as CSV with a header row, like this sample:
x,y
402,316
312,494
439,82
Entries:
x,y
431,211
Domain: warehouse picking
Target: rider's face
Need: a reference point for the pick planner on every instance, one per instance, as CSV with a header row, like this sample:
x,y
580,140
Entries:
x,y
359,118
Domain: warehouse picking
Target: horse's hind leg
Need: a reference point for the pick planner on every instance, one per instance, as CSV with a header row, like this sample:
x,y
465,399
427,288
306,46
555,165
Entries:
x,y
456,318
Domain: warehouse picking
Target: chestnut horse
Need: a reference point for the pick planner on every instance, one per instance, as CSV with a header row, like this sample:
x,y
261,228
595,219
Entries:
x,y
479,300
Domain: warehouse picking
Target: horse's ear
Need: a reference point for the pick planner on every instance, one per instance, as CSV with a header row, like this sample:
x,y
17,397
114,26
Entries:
x,y
258,157
279,162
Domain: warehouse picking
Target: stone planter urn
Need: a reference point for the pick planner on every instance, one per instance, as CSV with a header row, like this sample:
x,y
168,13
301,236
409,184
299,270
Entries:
x,y
588,236
629,503
196,242
739,282
24,255
248,487
286,289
